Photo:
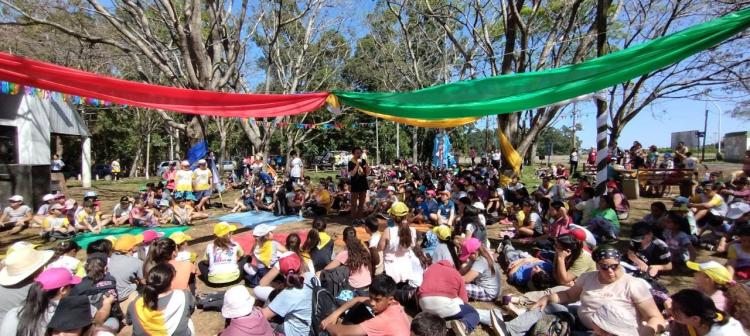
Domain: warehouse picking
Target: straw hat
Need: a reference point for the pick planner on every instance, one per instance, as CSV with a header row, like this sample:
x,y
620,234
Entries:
x,y
22,263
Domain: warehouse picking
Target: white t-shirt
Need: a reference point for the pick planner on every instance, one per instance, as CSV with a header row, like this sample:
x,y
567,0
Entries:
x,y
574,156
397,261
223,261
733,327
625,292
690,163
496,156
296,167
374,240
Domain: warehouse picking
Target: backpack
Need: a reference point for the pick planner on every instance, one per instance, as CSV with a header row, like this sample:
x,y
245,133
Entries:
x,y
323,304
555,324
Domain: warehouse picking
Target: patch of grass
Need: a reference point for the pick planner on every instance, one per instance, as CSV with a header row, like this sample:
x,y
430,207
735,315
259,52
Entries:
x,y
316,176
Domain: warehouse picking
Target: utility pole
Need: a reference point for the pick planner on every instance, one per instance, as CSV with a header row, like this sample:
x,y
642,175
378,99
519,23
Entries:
x,y
398,142
705,128
575,105
377,144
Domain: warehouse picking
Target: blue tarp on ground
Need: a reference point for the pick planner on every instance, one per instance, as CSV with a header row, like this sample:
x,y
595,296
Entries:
x,y
252,219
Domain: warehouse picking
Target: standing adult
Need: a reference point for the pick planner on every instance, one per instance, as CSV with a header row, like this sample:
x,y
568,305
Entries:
x,y
202,184
680,154
591,160
57,164
297,168
573,160
114,167
495,158
358,171
183,181
473,155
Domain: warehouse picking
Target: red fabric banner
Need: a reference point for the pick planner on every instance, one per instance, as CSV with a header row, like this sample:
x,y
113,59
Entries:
x,y
57,78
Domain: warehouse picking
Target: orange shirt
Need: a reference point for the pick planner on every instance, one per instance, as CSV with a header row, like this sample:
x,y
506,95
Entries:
x,y
183,270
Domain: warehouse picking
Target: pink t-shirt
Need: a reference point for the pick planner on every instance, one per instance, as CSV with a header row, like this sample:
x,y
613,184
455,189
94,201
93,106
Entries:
x,y
719,300
391,322
357,279
626,292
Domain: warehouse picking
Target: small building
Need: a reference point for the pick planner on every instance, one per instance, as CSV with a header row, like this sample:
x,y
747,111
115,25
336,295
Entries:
x,y
690,138
27,123
735,145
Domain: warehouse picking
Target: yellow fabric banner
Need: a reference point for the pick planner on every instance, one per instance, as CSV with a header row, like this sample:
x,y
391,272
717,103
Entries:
x,y
510,155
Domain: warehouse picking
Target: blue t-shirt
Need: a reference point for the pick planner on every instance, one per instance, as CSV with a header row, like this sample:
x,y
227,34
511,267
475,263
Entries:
x,y
295,306
429,206
444,209
522,275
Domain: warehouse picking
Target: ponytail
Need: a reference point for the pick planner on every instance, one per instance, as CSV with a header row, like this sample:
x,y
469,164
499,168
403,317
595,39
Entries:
x,y
312,241
32,313
160,252
158,281
404,233
358,255
692,302
293,279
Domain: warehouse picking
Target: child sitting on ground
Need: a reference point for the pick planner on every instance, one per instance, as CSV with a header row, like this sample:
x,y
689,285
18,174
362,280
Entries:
x,y
738,254
65,257
183,253
87,219
56,224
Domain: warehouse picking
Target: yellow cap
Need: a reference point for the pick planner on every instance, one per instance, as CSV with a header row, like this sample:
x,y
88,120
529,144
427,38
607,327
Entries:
x,y
717,272
442,231
398,209
180,237
127,242
223,228
111,238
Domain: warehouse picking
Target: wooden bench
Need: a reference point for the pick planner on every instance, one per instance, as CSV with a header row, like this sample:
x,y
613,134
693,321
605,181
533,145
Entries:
x,y
654,181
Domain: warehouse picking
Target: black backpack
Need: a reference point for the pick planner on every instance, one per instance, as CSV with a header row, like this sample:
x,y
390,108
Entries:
x,y
323,304
555,324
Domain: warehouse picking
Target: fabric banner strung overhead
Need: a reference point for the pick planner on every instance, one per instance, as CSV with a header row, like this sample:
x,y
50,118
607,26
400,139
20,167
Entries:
x,y
518,92
86,84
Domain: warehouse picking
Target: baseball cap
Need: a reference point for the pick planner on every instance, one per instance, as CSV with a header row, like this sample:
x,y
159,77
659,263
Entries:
x,y
237,302
185,163
60,195
398,209
579,234
430,192
201,161
70,204
681,200
468,247
639,231
222,229
16,198
124,199
737,209
151,235
289,262
442,231
262,230
717,272
90,194
190,197
56,277
391,188
127,242
180,237
48,197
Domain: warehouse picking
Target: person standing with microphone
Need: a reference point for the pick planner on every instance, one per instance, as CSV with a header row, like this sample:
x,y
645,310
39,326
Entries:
x,y
358,171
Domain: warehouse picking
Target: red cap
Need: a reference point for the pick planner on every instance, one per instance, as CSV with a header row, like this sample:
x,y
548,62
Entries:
x,y
612,184
288,263
578,234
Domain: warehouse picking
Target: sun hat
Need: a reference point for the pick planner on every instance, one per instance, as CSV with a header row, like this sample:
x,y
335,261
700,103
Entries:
x,y
222,229
238,302
70,204
289,262
398,209
56,277
16,198
468,247
151,235
615,320
73,312
737,209
262,230
127,242
442,231
717,272
180,237
21,263
48,197
20,245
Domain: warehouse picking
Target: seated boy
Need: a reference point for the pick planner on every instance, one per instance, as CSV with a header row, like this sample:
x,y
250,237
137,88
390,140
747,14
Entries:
x,y
647,252
55,225
389,319
87,219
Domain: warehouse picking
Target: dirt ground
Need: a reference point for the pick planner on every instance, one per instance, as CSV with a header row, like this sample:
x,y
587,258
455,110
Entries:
x,y
210,323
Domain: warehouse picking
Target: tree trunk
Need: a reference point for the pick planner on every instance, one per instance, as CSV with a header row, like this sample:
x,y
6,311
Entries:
x,y
415,145
148,155
136,161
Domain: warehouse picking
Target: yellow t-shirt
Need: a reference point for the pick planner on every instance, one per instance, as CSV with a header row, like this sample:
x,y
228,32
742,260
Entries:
x,y
202,178
84,217
183,180
52,222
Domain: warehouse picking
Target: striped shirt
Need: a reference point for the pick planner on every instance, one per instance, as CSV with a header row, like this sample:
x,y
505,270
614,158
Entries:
x,y
172,316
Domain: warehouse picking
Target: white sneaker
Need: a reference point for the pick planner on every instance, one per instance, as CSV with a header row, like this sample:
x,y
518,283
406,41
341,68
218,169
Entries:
x,y
458,328
497,323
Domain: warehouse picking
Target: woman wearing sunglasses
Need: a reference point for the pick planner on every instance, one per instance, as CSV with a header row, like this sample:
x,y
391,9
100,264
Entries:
x,y
610,285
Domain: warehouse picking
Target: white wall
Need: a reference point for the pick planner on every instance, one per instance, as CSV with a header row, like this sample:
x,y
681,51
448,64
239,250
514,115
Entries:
x,y
735,145
33,127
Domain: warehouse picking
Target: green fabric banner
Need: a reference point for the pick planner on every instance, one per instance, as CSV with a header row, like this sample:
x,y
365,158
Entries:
x,y
518,92
87,238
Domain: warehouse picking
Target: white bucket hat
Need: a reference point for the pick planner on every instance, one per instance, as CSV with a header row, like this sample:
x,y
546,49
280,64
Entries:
x,y
21,263
237,302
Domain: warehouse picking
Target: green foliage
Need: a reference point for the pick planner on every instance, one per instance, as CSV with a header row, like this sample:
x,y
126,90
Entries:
x,y
560,140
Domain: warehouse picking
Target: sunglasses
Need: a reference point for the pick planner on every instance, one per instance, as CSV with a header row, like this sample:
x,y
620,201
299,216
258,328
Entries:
x,y
608,267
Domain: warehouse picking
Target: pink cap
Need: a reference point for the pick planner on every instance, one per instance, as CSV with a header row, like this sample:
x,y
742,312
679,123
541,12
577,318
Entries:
x,y
468,247
70,204
56,277
151,235
430,192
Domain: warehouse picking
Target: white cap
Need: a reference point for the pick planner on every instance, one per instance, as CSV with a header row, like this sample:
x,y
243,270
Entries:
x,y
262,230
736,210
48,197
478,205
185,163
90,194
391,188
16,198
237,302
201,161
70,204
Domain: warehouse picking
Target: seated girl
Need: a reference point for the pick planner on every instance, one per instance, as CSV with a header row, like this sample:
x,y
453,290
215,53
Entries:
x,y
223,257
480,273
677,237
696,311
738,254
605,224
265,252
356,258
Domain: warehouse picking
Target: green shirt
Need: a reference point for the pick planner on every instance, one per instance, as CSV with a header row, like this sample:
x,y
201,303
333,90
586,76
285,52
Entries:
x,y
609,215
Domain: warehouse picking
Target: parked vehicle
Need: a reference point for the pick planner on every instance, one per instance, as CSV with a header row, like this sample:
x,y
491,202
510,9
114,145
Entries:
x,y
162,167
331,159
229,165
101,171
